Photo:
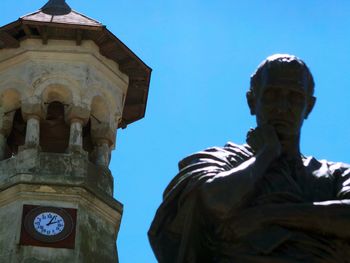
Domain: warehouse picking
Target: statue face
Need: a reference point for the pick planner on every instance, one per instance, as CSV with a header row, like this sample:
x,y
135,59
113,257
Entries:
x,y
282,104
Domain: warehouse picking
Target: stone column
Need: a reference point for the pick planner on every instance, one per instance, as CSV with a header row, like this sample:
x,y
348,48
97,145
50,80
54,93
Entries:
x,y
103,152
103,137
77,117
32,113
32,139
76,135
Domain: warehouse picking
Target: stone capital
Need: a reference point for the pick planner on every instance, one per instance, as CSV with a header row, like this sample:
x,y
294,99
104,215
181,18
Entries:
x,y
6,122
75,113
30,110
102,132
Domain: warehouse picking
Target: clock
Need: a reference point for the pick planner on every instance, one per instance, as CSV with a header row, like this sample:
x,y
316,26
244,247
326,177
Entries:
x,y
48,226
49,223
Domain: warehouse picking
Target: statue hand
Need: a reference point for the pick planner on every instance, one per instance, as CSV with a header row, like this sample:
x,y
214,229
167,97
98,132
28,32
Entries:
x,y
259,217
264,139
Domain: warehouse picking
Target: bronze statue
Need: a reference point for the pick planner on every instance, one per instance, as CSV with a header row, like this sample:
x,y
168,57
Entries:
x,y
262,201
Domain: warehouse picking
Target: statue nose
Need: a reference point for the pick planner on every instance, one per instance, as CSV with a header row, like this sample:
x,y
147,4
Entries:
x,y
282,104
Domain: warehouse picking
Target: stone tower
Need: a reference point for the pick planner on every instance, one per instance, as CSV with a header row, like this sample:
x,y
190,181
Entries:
x,y
66,85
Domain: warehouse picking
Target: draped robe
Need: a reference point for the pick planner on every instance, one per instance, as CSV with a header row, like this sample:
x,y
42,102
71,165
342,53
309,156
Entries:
x,y
279,223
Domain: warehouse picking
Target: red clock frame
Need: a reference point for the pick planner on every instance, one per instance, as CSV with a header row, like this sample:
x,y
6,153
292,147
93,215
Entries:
x,y
28,240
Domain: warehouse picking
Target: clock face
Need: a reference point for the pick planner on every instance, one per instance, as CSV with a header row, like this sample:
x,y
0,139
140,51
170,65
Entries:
x,y
48,224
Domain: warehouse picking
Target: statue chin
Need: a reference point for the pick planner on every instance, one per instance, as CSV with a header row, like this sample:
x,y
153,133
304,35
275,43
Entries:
x,y
284,130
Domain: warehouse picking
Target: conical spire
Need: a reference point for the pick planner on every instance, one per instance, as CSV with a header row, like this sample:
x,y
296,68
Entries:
x,y
56,7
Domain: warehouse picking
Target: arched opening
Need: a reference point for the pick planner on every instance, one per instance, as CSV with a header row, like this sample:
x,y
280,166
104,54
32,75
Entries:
x,y
54,131
13,125
56,92
87,141
17,135
10,100
99,109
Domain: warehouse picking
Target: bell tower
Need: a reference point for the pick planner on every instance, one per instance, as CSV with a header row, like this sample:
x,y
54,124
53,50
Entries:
x,y
66,85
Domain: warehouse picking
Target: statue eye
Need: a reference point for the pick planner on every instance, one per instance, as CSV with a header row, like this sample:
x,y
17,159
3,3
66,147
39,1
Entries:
x,y
296,97
269,95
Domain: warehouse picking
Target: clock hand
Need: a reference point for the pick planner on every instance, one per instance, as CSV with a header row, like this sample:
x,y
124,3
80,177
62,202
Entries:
x,y
50,222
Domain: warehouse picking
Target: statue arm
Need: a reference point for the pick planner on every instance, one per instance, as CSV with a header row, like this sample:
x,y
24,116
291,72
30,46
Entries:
x,y
328,218
229,190
343,180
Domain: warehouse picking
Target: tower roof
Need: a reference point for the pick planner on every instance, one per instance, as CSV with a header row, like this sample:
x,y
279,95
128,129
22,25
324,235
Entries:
x,y
56,20
57,11
56,7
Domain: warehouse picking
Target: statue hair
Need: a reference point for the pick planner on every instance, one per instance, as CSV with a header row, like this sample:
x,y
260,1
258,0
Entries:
x,y
282,62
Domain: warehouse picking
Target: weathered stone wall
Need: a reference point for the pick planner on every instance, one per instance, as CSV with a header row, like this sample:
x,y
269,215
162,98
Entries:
x,y
78,76
63,181
92,90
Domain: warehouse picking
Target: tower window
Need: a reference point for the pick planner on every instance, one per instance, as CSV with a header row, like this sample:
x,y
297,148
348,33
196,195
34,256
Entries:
x,y
17,135
54,131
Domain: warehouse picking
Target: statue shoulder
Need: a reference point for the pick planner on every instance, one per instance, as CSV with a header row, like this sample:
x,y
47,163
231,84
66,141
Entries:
x,y
207,163
334,169
175,219
232,154
338,166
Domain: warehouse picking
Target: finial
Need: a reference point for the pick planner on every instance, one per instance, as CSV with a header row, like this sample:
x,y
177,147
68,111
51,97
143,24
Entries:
x,y
56,7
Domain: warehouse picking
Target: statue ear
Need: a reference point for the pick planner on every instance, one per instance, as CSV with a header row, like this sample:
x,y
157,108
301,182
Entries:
x,y
251,101
310,106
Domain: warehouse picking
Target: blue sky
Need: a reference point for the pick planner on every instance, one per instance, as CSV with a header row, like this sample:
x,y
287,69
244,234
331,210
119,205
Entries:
x,y
202,54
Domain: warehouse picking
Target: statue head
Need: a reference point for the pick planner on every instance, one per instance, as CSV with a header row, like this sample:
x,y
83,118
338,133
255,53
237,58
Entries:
x,y
281,93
